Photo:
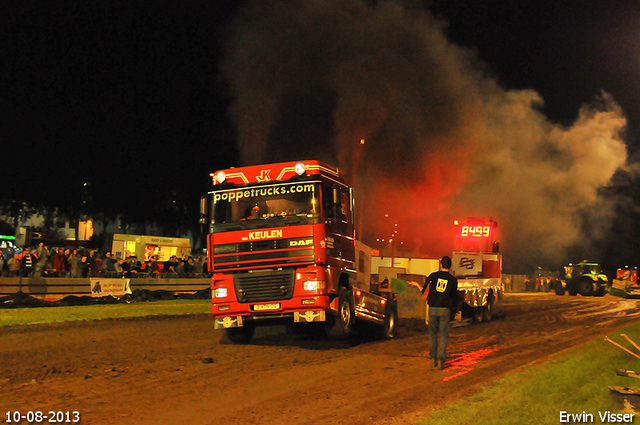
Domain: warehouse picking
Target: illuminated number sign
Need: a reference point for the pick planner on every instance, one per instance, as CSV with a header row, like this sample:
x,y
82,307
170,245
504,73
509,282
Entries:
x,y
467,231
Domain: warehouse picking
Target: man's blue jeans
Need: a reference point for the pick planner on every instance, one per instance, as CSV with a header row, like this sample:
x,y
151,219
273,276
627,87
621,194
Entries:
x,y
439,321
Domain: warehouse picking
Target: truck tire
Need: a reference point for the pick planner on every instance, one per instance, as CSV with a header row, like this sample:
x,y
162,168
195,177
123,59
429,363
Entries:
x,y
585,287
341,325
572,290
390,317
241,335
559,289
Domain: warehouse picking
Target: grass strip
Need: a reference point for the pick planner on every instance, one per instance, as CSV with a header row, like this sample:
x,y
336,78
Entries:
x,y
573,381
40,315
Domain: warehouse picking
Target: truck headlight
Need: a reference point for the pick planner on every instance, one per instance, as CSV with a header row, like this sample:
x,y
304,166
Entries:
x,y
311,285
221,292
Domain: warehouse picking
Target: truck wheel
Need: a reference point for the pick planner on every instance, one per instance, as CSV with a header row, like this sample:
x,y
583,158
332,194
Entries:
x,y
487,310
343,322
559,289
585,287
477,314
572,290
241,335
390,317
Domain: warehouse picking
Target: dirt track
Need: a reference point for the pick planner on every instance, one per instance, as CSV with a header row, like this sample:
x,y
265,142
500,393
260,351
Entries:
x,y
179,370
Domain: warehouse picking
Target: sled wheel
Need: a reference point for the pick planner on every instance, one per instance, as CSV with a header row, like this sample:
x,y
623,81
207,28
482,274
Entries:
x,y
487,310
390,318
477,314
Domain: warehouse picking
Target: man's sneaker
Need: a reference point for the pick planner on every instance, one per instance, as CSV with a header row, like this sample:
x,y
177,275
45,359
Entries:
x,y
434,362
440,364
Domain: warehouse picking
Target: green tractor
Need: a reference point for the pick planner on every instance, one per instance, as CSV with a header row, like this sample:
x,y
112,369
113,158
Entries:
x,y
584,278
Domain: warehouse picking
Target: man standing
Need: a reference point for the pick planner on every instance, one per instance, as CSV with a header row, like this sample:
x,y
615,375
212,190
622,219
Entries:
x,y
442,293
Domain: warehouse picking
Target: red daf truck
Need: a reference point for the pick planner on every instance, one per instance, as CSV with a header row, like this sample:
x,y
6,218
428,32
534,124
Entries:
x,y
282,249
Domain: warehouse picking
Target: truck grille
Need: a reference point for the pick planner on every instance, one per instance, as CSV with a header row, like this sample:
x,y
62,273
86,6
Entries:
x,y
261,254
264,286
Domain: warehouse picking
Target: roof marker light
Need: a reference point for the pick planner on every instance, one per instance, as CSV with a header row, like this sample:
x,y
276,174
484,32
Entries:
x,y
221,177
300,168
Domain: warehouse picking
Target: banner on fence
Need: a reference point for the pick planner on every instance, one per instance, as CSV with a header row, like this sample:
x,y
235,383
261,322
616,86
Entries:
x,y
113,287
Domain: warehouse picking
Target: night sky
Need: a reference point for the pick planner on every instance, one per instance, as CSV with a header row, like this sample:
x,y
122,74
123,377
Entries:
x,y
132,96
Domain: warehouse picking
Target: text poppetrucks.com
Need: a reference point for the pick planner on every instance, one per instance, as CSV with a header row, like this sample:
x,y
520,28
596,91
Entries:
x,y
605,417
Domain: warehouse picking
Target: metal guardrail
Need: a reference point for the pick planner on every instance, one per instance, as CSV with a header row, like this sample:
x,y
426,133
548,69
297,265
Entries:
x,y
57,288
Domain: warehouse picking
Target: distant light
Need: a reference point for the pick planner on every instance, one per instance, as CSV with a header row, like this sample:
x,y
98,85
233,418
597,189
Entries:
x,y
221,177
300,168
362,141
455,222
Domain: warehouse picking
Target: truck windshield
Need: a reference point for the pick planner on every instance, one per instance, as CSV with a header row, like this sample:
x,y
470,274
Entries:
x,y
266,205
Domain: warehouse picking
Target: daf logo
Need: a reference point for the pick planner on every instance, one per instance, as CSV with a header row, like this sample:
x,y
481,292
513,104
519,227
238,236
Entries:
x,y
305,242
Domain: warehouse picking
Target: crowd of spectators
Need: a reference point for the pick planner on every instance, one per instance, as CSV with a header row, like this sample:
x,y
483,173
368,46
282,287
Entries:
x,y
41,261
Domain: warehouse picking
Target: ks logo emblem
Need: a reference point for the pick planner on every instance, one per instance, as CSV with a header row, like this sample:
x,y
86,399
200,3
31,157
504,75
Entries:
x,y
264,176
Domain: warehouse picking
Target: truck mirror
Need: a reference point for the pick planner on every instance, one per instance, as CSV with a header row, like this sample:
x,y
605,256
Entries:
x,y
336,196
204,214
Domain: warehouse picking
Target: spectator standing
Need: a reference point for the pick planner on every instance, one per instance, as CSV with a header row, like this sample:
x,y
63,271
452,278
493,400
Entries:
x,y
136,265
98,268
27,261
109,264
42,254
188,267
126,267
180,267
442,290
197,267
84,266
154,267
59,263
3,265
117,265
170,265
74,264
91,259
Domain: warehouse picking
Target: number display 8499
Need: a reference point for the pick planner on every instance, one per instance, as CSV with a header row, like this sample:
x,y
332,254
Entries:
x,y
475,231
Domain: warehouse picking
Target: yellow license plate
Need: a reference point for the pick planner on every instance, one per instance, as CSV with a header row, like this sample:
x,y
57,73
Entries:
x,y
261,307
